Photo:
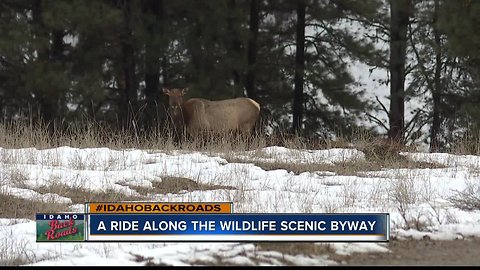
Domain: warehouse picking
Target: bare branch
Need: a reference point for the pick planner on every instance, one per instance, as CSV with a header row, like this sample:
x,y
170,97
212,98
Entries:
x,y
377,37
410,134
383,106
378,121
413,119
420,61
383,27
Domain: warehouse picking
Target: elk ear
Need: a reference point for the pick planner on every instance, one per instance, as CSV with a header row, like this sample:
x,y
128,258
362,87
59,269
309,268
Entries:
x,y
166,91
184,90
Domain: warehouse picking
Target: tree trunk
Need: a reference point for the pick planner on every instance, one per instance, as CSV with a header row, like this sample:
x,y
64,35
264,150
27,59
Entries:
x,y
194,41
235,46
128,66
399,20
252,48
153,54
57,92
48,57
437,81
299,68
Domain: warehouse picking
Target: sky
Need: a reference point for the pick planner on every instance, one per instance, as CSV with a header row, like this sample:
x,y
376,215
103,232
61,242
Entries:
x,y
423,194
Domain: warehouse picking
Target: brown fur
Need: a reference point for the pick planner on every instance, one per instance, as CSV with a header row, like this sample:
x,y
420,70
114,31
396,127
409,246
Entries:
x,y
200,115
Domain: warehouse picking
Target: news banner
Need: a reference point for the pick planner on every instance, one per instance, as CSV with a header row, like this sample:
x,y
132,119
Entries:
x,y
205,222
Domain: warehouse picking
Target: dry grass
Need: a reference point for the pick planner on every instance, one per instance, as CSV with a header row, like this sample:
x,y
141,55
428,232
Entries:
x,y
16,177
81,195
469,144
171,184
86,135
379,154
339,168
168,184
175,185
469,198
92,134
22,134
15,207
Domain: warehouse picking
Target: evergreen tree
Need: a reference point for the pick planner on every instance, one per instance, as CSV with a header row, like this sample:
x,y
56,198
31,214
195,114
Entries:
x,y
459,22
254,21
299,68
331,104
400,13
154,18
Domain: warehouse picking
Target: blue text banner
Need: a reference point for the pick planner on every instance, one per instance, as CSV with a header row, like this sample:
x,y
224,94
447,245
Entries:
x,y
363,227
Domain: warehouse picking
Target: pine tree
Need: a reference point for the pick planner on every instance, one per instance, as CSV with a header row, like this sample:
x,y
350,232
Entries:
x,y
155,46
299,68
400,13
459,22
331,103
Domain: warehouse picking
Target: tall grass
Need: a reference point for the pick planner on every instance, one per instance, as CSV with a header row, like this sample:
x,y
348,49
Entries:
x,y
18,134
90,134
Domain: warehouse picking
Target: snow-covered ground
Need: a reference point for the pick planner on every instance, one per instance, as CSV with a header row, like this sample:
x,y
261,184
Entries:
x,y
418,196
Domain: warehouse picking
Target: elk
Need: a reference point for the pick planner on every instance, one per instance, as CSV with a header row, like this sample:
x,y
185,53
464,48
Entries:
x,y
200,115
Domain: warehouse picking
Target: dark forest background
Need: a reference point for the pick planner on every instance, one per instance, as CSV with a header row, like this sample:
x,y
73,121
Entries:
x,y
63,62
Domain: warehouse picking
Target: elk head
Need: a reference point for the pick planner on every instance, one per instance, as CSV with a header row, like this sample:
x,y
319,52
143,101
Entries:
x,y
175,102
